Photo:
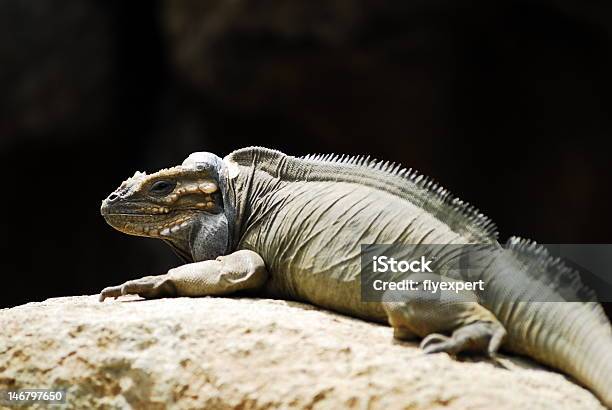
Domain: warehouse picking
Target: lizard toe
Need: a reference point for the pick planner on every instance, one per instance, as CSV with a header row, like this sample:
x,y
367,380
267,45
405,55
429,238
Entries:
x,y
434,343
110,292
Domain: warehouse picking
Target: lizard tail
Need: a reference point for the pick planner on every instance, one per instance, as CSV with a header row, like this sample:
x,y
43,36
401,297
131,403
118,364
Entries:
x,y
599,376
580,344
576,341
570,332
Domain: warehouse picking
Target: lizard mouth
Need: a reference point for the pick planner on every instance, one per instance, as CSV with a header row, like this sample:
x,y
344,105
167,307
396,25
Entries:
x,y
151,225
132,209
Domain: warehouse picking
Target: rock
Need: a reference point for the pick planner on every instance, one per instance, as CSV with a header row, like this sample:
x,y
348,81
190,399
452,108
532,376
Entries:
x,y
221,353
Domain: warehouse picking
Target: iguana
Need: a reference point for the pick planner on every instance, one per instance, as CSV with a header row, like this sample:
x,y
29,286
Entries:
x,y
264,222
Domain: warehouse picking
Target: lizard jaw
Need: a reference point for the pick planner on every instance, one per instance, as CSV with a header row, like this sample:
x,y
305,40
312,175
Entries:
x,y
150,225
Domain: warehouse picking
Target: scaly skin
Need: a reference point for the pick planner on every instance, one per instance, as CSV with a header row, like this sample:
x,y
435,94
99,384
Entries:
x,y
292,228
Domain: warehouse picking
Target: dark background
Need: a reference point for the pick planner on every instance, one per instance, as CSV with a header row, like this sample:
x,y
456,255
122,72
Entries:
x,y
508,104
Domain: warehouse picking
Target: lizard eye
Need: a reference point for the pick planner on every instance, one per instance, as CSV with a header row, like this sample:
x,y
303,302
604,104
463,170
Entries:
x,y
161,188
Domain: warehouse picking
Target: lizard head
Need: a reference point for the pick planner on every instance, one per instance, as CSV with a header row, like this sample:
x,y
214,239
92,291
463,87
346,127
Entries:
x,y
170,203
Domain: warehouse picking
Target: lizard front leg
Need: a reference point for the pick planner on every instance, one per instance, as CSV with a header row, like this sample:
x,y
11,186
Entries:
x,y
241,270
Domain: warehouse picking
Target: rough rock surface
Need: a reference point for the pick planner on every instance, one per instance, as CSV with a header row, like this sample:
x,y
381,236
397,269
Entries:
x,y
221,353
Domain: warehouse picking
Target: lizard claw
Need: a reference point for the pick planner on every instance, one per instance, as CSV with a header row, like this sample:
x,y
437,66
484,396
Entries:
x,y
483,337
435,343
110,292
147,287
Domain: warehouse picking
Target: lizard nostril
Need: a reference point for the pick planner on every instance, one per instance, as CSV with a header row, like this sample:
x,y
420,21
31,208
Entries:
x,y
113,197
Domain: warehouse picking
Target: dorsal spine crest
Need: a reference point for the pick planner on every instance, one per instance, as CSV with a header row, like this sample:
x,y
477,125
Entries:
x,y
405,183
